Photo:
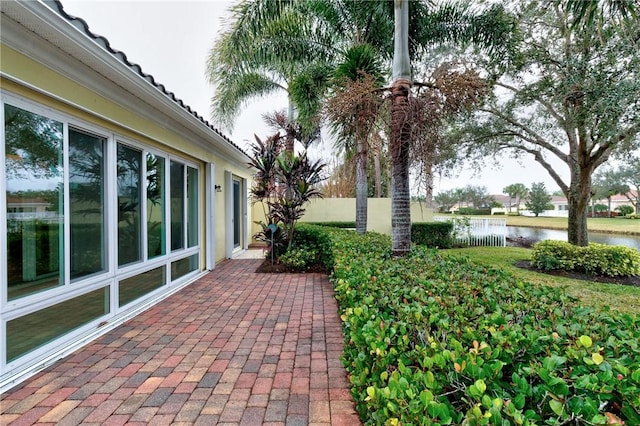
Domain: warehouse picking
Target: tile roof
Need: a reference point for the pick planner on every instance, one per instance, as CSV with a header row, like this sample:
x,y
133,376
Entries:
x,y
103,42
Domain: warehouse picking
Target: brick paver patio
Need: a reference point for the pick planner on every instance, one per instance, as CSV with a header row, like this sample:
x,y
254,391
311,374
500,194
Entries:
x,y
235,348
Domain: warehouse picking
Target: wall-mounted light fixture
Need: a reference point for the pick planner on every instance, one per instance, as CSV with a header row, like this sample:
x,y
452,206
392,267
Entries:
x,y
218,188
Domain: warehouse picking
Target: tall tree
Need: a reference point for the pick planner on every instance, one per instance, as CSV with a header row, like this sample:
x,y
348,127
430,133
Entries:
x,y
268,47
518,191
629,175
539,199
353,109
569,93
590,14
606,184
448,23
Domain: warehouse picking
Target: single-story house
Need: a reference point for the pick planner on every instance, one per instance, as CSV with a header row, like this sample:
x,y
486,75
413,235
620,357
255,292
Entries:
x,y
114,193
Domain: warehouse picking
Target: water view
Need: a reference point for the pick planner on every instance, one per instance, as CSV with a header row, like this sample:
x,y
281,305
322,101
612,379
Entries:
x,y
556,234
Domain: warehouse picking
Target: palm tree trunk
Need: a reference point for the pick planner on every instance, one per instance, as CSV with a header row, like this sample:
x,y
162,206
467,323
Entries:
x,y
362,190
289,141
400,141
377,166
400,133
428,181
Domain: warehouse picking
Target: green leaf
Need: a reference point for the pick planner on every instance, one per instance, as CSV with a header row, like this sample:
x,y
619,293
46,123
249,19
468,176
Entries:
x,y
371,391
426,397
556,406
480,384
585,341
597,358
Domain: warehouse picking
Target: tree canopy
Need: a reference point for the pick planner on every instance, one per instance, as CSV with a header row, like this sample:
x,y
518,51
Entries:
x,y
567,92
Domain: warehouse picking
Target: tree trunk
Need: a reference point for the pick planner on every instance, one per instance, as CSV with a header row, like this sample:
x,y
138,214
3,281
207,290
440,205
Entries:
x,y
400,141
362,190
428,182
400,132
289,141
377,170
578,198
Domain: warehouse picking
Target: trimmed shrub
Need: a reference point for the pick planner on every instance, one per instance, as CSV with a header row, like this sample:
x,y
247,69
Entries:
x,y
624,210
467,211
595,259
435,339
432,234
299,259
334,224
633,216
312,244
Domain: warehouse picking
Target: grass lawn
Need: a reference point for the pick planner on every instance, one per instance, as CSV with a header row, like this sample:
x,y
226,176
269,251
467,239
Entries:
x,y
619,297
604,224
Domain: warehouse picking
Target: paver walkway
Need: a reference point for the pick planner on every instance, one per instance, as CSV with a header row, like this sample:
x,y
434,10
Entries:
x,y
235,348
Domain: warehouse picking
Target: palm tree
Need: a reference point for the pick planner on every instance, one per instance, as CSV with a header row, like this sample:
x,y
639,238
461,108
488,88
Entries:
x,y
488,30
592,13
267,49
352,110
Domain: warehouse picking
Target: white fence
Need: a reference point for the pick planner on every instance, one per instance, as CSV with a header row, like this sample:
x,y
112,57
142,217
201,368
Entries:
x,y
477,232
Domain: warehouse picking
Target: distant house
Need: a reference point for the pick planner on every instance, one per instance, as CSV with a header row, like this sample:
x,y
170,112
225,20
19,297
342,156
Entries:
x,y
561,205
114,193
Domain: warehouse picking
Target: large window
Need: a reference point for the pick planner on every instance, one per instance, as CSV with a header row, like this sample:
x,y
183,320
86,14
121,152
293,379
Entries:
x,y
129,190
177,205
192,207
86,203
156,223
89,216
34,197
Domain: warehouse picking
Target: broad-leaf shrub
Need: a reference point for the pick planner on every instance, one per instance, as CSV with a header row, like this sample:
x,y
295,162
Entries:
x,y
432,234
435,339
311,246
597,259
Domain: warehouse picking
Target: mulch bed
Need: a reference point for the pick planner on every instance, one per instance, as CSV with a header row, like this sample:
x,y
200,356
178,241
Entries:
x,y
277,268
631,281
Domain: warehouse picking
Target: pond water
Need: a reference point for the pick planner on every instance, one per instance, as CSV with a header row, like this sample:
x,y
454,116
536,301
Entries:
x,y
538,234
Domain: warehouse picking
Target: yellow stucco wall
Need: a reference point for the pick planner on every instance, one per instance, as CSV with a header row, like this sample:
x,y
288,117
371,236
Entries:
x,y
66,96
344,210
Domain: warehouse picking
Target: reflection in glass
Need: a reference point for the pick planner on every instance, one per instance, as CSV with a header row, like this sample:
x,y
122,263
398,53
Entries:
x,y
133,288
182,267
86,203
156,232
29,332
192,207
34,191
177,205
129,191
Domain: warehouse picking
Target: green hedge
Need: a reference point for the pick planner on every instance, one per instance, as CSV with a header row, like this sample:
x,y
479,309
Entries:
x,y
467,211
311,246
594,259
334,224
435,339
432,234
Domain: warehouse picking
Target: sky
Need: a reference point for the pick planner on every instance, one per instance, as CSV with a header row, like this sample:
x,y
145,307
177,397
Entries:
x,y
171,40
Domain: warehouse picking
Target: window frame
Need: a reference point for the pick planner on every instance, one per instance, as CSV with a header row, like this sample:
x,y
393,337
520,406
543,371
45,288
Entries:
x,y
112,274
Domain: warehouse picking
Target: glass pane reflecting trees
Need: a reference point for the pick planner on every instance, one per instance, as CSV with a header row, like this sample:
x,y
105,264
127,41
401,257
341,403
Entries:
x,y
129,190
192,207
177,205
35,193
86,203
156,224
